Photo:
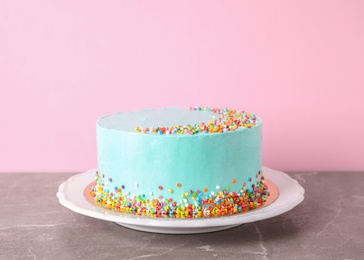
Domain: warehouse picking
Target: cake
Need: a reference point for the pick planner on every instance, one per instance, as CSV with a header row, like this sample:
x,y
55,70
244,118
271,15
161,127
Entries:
x,y
180,162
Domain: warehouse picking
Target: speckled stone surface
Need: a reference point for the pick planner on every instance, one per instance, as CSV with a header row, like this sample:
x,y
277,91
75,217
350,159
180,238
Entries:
x,y
328,224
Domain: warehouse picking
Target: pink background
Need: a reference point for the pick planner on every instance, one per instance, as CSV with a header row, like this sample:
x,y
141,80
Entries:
x,y
297,64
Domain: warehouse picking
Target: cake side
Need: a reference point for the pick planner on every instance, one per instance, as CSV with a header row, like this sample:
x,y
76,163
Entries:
x,y
177,170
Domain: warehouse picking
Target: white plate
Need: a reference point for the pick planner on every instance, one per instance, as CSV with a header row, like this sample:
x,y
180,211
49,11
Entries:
x,y
70,195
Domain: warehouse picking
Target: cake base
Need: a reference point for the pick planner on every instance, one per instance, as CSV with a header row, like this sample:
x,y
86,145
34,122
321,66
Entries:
x,y
288,195
273,195
273,191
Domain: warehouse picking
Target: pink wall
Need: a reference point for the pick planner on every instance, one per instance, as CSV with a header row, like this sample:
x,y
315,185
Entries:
x,y
297,64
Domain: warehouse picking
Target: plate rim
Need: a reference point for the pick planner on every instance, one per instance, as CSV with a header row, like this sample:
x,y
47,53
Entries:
x,y
274,209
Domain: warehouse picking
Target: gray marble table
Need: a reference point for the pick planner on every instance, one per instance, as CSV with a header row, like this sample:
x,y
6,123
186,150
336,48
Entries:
x,y
328,224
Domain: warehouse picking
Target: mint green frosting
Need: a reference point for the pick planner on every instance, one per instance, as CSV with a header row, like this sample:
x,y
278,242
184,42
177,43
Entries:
x,y
143,163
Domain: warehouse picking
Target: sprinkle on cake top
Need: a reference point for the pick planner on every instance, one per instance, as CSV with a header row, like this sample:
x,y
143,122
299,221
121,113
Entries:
x,y
224,120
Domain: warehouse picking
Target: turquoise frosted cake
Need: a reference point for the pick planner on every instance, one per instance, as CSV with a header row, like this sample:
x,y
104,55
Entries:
x,y
179,162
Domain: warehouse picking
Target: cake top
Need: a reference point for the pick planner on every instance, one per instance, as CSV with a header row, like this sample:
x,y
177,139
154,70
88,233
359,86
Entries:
x,y
193,120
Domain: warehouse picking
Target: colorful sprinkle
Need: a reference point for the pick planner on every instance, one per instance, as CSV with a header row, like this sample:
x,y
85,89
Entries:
x,y
179,184
233,181
194,203
225,120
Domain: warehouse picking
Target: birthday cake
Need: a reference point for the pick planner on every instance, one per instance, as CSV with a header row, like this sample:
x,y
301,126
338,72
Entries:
x,y
180,162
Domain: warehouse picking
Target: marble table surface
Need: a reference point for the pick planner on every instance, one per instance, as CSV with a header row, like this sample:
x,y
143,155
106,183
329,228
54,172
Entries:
x,y
328,224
